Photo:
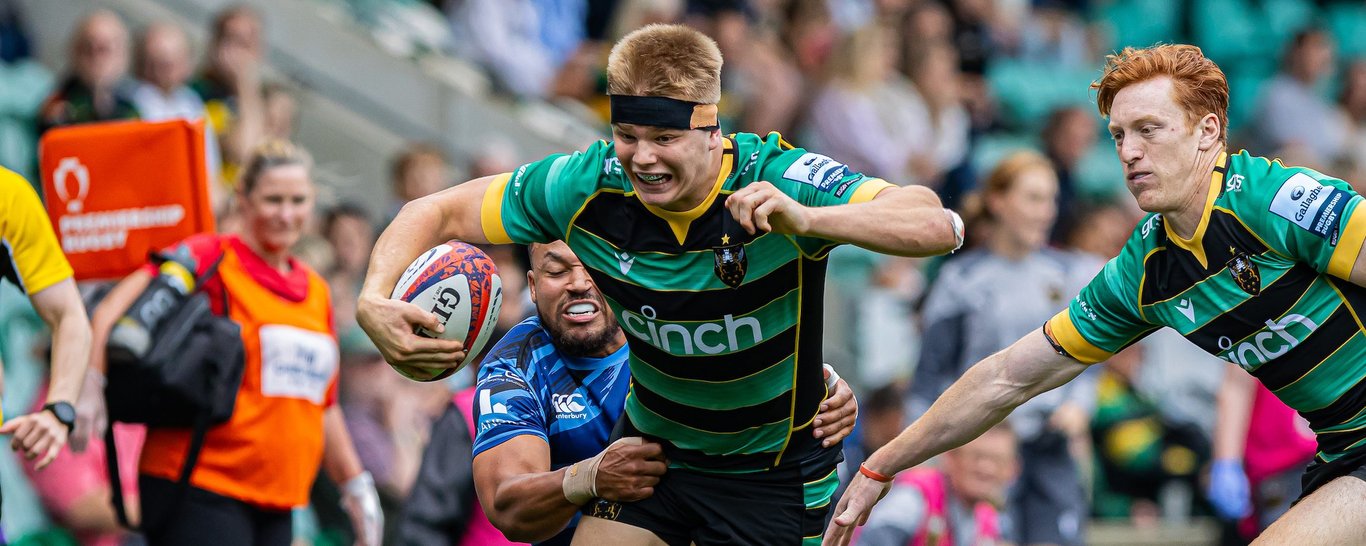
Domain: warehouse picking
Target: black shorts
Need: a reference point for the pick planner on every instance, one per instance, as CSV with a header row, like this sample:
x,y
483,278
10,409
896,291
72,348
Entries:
x,y
790,505
1320,473
204,518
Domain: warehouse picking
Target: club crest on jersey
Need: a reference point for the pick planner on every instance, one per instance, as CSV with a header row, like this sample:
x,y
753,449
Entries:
x,y
731,262
1245,273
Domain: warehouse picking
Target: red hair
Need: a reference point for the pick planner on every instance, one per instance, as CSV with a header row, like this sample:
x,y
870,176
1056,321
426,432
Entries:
x,y
1199,86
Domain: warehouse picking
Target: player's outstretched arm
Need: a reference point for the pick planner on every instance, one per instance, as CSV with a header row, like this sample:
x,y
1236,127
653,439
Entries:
x,y
528,502
905,221
423,223
40,435
977,401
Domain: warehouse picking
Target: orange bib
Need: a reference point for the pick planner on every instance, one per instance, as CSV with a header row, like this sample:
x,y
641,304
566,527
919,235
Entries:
x,y
268,454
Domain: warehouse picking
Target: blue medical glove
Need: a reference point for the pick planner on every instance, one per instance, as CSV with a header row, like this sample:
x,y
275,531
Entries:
x,y
1228,489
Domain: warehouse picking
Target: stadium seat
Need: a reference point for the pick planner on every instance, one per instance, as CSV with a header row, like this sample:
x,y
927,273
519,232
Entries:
x,y
1027,92
1140,23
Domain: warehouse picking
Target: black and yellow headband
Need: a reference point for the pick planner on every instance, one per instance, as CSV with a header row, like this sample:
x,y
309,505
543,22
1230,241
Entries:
x,y
663,112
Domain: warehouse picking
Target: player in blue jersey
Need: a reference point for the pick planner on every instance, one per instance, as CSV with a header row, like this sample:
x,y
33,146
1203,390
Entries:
x,y
548,397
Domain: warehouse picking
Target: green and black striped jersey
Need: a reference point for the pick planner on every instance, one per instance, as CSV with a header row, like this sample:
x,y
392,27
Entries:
x,y
1261,284
724,327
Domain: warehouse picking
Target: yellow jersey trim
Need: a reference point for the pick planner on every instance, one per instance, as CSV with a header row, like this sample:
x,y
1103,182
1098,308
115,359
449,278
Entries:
x,y
680,221
1195,245
1064,332
869,189
491,212
1349,246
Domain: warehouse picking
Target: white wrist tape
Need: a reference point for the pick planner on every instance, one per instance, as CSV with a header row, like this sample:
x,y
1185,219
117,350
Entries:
x,y
830,381
958,229
580,483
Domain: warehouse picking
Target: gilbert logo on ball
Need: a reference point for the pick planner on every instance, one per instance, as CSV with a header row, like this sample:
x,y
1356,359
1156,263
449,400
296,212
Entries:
x,y
460,284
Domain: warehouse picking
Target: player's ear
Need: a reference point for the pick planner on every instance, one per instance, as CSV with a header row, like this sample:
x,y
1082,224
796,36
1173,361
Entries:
x,y
531,285
714,139
1210,129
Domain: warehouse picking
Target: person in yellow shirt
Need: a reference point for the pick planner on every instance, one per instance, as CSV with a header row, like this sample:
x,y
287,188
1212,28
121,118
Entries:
x,y
31,258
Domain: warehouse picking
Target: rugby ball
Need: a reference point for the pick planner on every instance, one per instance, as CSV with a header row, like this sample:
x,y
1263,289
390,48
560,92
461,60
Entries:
x,y
460,284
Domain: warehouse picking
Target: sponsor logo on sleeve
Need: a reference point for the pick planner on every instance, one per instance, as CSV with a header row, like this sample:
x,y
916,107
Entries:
x,y
848,183
817,170
611,165
517,180
1311,204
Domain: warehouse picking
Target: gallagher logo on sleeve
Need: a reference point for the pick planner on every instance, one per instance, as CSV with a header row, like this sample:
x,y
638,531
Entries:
x,y
817,170
1312,205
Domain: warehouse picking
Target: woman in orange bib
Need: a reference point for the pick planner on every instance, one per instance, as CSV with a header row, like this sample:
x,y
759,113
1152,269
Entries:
x,y
260,464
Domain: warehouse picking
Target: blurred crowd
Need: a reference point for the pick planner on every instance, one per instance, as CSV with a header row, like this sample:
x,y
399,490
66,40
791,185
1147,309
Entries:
x,y
984,101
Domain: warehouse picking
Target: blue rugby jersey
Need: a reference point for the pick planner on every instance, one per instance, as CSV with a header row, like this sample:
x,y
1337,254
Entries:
x,y
526,387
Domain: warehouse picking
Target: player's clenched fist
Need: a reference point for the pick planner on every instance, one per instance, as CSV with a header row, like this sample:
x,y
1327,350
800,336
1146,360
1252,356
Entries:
x,y
390,324
630,469
761,206
627,470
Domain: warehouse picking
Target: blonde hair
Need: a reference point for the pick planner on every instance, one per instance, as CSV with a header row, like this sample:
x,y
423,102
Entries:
x,y
1199,86
671,61
270,154
1000,181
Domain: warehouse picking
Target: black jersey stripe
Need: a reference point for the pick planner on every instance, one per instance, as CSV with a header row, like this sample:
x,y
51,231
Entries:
x,y
1336,442
1348,406
810,385
730,421
1249,317
1175,270
1308,354
717,368
697,458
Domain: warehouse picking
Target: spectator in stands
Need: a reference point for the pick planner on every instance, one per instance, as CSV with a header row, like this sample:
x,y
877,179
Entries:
x,y
1352,101
810,34
986,298
523,43
389,417
1142,453
943,122
1291,116
281,111
230,85
351,234
162,92
1053,35
1067,136
443,509
867,114
954,504
761,87
96,88
418,171
882,415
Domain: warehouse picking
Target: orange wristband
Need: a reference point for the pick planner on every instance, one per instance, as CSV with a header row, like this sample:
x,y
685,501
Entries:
x,y
873,475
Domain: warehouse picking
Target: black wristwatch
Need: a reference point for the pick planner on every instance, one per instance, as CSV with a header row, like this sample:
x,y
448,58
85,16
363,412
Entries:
x,y
64,413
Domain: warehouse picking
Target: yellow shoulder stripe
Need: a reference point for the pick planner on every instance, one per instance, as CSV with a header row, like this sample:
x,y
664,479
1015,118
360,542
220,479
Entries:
x,y
491,212
1064,332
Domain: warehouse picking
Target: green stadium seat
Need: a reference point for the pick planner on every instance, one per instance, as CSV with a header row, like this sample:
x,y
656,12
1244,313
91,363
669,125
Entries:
x,y
1140,23
1028,92
1347,22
